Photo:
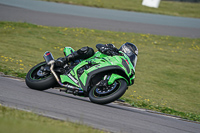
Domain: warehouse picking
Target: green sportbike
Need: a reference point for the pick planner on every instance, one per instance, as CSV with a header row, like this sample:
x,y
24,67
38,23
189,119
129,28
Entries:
x,y
103,78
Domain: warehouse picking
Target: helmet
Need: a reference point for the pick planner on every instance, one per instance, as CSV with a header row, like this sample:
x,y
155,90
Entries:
x,y
131,51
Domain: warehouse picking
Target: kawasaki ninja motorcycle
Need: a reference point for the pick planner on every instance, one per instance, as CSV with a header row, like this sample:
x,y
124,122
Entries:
x,y
102,78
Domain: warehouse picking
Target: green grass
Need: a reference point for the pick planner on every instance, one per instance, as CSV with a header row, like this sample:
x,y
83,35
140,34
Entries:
x,y
184,9
15,121
147,104
167,71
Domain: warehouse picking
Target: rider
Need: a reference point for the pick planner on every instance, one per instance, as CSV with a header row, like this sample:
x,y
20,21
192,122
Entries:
x,y
109,49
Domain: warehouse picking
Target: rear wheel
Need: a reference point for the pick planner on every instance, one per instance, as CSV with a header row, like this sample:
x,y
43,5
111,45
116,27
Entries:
x,y
38,79
110,93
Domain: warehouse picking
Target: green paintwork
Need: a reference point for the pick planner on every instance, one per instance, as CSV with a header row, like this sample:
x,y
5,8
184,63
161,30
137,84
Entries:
x,y
98,61
114,77
65,78
68,50
83,78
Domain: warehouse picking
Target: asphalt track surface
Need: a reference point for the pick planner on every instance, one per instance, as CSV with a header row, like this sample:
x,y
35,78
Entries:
x,y
55,14
111,117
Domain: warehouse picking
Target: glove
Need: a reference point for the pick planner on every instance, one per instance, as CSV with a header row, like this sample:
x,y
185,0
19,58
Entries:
x,y
112,47
108,49
105,50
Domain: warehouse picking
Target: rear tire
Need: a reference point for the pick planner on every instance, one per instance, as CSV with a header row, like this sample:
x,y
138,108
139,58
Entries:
x,y
106,98
39,82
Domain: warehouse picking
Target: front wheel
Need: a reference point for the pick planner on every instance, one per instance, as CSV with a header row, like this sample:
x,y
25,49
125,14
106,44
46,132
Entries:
x,y
108,94
38,79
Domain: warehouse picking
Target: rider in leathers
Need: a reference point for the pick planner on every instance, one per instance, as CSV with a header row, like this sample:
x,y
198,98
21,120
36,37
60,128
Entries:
x,y
109,49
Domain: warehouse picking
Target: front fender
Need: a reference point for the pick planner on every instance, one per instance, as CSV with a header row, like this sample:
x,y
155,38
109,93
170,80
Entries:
x,y
86,77
114,77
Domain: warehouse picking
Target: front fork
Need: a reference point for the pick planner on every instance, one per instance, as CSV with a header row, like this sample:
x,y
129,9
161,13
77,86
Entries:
x,y
104,82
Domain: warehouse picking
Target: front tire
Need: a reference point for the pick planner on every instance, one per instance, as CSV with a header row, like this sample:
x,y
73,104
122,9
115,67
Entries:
x,y
38,80
118,88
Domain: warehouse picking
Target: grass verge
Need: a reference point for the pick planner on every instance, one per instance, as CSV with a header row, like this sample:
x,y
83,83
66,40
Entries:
x,y
184,9
167,72
146,104
16,121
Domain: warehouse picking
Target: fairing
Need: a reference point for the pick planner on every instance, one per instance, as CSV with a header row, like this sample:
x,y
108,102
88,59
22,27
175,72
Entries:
x,y
99,63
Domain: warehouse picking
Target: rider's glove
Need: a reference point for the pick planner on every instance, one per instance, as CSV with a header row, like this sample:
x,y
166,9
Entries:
x,y
105,50
112,47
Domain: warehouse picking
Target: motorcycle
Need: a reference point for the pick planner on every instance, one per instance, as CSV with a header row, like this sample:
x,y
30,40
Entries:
x,y
102,78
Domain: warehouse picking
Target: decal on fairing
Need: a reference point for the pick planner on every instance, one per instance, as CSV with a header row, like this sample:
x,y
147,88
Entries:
x,y
72,78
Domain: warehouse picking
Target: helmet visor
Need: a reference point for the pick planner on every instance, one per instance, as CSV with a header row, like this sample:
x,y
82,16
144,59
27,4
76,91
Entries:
x,y
131,54
133,58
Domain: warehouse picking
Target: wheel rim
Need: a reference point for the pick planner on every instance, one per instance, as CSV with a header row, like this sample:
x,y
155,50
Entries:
x,y
38,74
105,91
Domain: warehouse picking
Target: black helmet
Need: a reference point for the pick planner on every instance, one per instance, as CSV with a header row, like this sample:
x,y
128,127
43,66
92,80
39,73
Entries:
x,y
131,51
